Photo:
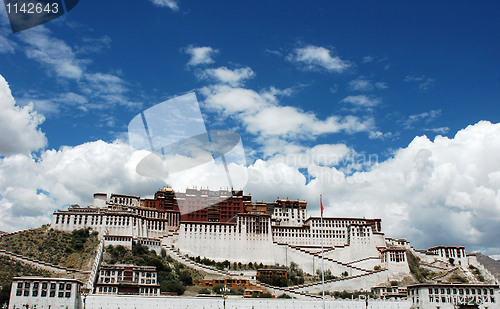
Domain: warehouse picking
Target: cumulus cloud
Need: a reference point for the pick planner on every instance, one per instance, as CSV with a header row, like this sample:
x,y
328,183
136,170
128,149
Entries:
x,y
445,191
318,58
32,189
19,125
261,114
166,3
224,75
200,55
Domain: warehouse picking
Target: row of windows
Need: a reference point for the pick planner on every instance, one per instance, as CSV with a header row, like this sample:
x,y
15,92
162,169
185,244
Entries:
x,y
23,289
335,223
43,293
113,220
107,290
455,291
136,273
448,299
27,285
307,235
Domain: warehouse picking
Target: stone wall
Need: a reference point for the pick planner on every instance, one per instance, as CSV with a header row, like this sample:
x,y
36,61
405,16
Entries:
x,y
131,302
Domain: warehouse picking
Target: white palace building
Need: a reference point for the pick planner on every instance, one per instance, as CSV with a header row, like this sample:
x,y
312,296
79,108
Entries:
x,y
268,233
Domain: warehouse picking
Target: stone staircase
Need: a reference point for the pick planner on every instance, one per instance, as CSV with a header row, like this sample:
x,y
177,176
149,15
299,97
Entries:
x,y
335,280
318,255
182,259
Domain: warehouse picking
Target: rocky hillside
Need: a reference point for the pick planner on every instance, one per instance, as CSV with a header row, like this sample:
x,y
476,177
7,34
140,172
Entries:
x,y
490,264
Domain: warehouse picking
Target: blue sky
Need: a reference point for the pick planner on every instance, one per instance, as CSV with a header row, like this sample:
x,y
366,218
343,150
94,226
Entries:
x,y
343,81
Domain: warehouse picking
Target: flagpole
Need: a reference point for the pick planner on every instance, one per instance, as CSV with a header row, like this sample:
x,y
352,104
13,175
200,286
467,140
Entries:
x,y
322,252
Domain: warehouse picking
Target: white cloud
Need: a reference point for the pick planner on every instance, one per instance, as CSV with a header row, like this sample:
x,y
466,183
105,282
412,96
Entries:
x,y
6,45
428,116
423,83
274,52
167,3
381,85
367,59
261,114
32,189
19,125
200,55
224,75
100,90
52,53
361,101
441,130
94,45
318,58
360,84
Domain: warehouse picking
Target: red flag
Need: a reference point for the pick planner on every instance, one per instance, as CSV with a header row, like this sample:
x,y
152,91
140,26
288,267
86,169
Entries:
x,y
322,208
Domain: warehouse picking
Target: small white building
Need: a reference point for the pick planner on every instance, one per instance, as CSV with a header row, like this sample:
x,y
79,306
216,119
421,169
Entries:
x,y
453,295
39,293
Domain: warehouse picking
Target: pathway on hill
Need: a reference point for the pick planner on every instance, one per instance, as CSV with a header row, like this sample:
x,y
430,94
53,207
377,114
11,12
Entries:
x,y
40,264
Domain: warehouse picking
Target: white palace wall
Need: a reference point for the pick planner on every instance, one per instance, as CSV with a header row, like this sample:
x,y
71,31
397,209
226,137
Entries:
x,y
134,302
221,242
135,222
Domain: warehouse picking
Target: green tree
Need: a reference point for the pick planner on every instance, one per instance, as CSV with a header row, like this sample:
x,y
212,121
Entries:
x,y
185,277
218,288
204,291
284,296
5,295
173,286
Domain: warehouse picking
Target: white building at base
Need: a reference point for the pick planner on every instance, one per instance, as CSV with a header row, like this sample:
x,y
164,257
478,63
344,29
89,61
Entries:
x,y
45,293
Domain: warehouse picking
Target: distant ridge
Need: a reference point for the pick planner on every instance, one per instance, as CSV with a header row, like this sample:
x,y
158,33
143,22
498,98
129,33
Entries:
x,y
490,264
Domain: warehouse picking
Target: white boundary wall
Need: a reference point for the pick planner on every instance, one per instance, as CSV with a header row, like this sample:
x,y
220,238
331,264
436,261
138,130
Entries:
x,y
135,302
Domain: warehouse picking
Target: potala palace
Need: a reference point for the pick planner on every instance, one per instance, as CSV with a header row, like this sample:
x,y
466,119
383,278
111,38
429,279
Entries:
x,y
227,225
